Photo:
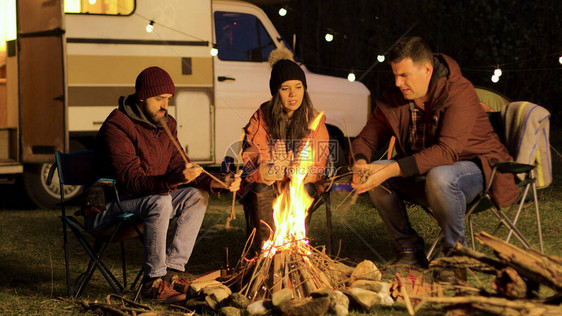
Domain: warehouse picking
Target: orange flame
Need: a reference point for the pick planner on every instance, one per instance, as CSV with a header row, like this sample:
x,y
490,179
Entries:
x,y
291,206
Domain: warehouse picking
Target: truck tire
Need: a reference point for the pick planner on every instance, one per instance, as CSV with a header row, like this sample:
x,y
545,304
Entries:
x,y
42,195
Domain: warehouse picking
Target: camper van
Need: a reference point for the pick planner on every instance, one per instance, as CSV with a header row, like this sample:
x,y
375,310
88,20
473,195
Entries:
x,y
66,71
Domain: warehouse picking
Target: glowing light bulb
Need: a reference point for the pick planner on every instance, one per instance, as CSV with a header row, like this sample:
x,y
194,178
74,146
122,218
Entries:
x,y
560,59
282,12
150,27
329,37
214,51
495,78
497,72
351,77
92,2
380,58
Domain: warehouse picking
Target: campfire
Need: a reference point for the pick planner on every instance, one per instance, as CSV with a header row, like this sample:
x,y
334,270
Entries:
x,y
287,261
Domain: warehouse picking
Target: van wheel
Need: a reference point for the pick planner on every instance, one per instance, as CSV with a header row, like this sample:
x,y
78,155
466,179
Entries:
x,y
42,195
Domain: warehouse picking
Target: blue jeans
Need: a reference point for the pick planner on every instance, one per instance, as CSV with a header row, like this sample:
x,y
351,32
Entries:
x,y
187,204
446,190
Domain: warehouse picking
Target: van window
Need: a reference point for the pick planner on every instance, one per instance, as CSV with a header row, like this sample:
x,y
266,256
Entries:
x,y
241,37
113,7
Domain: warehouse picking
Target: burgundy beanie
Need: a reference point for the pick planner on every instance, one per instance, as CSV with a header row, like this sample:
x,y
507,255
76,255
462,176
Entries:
x,y
153,81
282,71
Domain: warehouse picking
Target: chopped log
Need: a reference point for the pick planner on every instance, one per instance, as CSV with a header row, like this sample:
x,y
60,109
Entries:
x,y
508,283
529,263
496,304
460,250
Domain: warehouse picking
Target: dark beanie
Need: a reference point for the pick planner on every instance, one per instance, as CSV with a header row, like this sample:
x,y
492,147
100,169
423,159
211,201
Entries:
x,y
153,81
282,71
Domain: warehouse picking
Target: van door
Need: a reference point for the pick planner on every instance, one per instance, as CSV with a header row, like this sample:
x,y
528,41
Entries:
x,y
42,96
241,70
41,83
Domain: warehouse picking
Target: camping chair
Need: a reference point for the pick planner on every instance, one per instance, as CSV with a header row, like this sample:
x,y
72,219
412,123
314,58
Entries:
x,y
524,128
76,169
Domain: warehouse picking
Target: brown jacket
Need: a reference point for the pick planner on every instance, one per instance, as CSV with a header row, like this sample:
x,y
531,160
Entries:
x,y
258,148
458,128
139,154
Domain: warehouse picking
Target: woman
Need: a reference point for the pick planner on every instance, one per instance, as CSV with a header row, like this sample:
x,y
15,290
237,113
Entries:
x,y
276,133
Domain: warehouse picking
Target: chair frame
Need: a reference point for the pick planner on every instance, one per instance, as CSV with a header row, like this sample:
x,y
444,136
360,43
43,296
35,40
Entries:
x,y
528,183
96,251
484,202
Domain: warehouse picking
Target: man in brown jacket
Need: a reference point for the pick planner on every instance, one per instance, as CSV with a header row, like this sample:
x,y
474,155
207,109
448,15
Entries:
x,y
156,182
444,144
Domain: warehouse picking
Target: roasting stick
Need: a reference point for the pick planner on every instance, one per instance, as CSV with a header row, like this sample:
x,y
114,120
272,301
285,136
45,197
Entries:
x,y
238,173
183,154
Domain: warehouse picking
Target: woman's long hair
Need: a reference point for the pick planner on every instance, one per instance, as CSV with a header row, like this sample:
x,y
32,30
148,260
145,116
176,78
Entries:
x,y
279,125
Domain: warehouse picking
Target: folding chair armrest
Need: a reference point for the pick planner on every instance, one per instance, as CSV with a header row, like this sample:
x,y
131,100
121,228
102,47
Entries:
x,y
106,181
513,167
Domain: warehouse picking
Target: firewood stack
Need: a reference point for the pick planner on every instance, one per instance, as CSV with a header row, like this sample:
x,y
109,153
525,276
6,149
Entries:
x,y
519,274
303,270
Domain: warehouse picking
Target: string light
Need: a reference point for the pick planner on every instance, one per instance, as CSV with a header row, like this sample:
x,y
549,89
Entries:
x,y
329,37
498,72
495,78
92,2
150,26
214,51
380,58
282,12
351,77
560,59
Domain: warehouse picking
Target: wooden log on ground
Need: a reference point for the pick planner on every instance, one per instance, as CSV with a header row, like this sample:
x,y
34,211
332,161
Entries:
x,y
529,263
495,304
508,283
460,250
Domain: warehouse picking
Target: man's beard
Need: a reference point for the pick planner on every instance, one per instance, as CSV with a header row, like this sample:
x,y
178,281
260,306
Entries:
x,y
156,117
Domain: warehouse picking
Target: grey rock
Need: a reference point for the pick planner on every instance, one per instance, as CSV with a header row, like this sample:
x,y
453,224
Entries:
x,y
374,286
366,270
239,300
216,295
306,306
281,296
230,311
339,303
259,308
366,299
196,287
386,299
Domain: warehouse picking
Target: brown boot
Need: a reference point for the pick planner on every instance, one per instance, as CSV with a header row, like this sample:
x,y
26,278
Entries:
x,y
162,292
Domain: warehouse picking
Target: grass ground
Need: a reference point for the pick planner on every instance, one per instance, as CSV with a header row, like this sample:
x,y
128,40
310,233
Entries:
x,y
32,271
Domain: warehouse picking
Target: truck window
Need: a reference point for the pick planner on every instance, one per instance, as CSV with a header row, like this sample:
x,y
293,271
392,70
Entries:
x,y
241,37
113,7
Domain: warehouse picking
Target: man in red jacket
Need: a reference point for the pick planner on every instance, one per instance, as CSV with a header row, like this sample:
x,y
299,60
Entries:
x,y
156,182
445,145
